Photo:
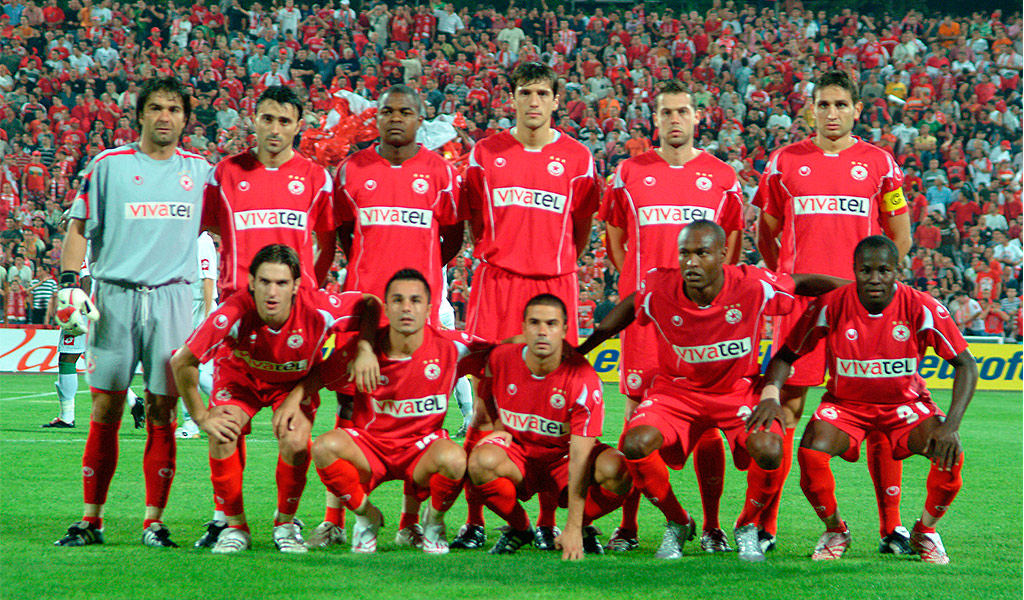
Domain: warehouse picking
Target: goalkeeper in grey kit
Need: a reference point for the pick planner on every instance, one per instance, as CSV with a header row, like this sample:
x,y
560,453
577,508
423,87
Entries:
x,y
139,207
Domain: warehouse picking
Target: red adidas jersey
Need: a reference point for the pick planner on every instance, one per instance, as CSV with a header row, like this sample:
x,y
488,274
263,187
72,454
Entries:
x,y
397,211
239,340
542,413
651,201
711,348
529,200
254,206
827,203
874,358
412,399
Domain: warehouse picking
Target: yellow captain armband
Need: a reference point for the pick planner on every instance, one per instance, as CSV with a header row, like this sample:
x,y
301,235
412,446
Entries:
x,y
894,201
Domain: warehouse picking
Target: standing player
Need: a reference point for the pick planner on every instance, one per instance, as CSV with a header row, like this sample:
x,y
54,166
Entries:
x,y
204,300
269,195
264,342
708,321
653,196
69,348
139,207
532,192
546,411
395,195
820,197
396,430
876,332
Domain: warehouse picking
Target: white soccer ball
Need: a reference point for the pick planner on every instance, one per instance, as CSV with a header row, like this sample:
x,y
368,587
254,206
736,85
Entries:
x,y
75,310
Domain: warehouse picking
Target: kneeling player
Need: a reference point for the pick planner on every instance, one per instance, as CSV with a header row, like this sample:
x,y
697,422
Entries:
x,y
876,332
263,342
397,427
707,315
546,409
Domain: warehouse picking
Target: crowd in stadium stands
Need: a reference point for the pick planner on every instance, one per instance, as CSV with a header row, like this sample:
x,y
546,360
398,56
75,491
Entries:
x,y
942,94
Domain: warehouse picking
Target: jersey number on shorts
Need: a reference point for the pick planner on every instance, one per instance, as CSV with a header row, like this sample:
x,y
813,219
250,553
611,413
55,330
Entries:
x,y
907,412
426,441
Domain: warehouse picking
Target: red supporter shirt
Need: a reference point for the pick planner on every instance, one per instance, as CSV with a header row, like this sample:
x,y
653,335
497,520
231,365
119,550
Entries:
x,y
529,202
874,358
542,413
827,203
396,211
651,201
239,340
254,206
711,348
412,399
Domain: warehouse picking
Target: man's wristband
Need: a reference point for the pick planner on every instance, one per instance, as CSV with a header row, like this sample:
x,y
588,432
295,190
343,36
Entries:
x,y
69,279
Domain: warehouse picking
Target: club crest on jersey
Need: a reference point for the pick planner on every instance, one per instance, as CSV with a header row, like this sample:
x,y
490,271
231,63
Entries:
x,y
220,321
650,181
243,186
223,396
804,170
733,316
186,183
512,389
90,365
677,320
296,187
431,371
851,334
419,185
901,333
556,168
334,300
137,180
370,185
557,401
294,341
829,413
633,381
499,162
703,183
859,172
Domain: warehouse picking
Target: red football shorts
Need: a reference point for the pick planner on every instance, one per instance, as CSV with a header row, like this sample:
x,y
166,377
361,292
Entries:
x,y
682,416
498,297
857,419
394,458
639,359
809,369
231,387
541,475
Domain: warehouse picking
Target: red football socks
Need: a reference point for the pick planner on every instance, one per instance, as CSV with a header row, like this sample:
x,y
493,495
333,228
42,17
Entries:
x,y
817,481
762,486
709,466
769,517
630,510
887,475
291,481
546,515
943,486
599,503
158,463
443,491
474,503
342,480
500,496
650,475
99,461
335,514
226,476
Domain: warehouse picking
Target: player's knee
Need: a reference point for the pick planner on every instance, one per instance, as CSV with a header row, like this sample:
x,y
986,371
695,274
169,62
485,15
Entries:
x,y
640,442
293,444
766,450
451,460
610,472
483,461
327,448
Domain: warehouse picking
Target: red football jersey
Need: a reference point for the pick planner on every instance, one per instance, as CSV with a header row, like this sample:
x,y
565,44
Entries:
x,y
254,206
412,399
827,203
239,340
651,201
529,200
542,413
397,211
712,348
874,358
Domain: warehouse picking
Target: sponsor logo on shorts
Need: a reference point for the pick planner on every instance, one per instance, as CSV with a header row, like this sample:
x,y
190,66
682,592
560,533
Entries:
x,y
243,186
859,172
88,472
633,381
431,371
727,350
901,333
703,184
829,413
525,197
533,424
420,186
412,407
370,185
674,215
158,210
294,341
220,321
384,380
556,168
90,365
744,413
804,171
832,205
292,366
296,187
186,183
165,473
650,181
557,401
406,217
851,334
270,219
512,389
880,368
892,490
733,316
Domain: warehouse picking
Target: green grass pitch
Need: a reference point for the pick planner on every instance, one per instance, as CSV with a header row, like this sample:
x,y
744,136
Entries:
x,y
40,495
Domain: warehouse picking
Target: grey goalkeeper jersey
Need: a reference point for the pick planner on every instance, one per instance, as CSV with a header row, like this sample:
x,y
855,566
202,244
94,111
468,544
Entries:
x,y
142,215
